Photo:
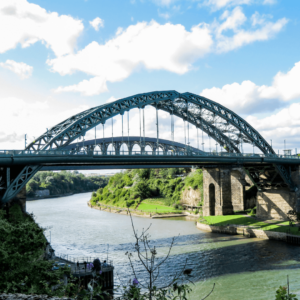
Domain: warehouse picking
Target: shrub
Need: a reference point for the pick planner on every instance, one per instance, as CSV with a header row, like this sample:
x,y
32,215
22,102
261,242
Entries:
x,y
22,244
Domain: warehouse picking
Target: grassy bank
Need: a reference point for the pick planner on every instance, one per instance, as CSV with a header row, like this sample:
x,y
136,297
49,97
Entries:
x,y
278,226
149,190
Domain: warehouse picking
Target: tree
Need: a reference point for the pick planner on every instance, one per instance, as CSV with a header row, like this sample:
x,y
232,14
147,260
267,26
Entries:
x,y
177,288
293,217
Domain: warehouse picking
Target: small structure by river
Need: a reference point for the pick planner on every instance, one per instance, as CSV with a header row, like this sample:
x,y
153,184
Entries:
x,y
79,269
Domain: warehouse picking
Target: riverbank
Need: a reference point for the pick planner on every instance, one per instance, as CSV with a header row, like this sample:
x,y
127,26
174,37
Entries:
x,y
250,227
140,213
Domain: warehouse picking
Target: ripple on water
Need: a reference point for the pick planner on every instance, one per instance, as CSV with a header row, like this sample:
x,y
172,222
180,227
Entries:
x,y
241,268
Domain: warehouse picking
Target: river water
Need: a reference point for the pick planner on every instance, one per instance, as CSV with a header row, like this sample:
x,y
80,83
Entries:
x,y
241,268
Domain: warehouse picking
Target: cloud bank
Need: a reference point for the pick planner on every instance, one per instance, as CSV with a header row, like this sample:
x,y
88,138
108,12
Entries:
x,y
153,46
27,23
21,69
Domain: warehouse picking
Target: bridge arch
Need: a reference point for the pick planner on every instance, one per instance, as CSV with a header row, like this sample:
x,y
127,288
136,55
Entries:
x,y
207,115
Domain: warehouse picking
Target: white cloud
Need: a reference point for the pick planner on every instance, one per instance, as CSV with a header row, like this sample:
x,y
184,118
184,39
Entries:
x,y
149,45
284,125
164,15
27,23
21,69
93,86
97,23
234,21
219,4
159,47
164,2
285,86
21,116
285,118
248,97
269,1
111,99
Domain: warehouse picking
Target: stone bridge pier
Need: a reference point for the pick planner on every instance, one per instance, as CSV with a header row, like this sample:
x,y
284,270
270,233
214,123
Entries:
x,y
224,190
274,203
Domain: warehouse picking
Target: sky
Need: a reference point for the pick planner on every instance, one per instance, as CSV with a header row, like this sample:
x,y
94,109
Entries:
x,y
58,58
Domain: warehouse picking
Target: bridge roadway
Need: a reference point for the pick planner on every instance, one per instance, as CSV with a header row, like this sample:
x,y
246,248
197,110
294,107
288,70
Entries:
x,y
70,159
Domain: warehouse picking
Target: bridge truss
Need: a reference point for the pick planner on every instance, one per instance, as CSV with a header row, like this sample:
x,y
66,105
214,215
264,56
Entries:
x,y
221,124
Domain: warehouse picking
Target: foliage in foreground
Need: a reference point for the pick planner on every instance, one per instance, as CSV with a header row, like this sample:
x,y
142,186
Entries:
x,y
283,293
22,268
146,255
130,188
64,182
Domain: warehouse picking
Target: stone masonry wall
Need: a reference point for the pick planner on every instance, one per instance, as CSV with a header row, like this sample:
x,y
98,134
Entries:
x,y
221,180
275,203
237,190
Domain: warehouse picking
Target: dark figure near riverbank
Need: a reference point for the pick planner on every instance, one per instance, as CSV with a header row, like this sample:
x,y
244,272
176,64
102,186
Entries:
x,y
97,265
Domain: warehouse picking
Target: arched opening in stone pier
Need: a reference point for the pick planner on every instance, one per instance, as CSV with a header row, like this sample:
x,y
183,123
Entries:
x,y
212,199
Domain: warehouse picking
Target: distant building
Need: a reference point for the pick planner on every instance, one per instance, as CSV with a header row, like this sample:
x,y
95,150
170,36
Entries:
x,y
42,193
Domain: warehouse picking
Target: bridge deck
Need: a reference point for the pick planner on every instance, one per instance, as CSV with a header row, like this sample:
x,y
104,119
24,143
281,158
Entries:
x,y
69,158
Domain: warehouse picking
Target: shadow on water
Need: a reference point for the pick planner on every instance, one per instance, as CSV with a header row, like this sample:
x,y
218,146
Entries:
x,y
239,255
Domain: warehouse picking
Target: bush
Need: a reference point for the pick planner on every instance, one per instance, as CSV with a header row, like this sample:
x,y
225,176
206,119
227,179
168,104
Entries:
x,y
148,183
178,206
22,268
129,203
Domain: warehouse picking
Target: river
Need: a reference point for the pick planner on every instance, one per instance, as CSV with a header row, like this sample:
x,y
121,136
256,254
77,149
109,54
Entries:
x,y
242,268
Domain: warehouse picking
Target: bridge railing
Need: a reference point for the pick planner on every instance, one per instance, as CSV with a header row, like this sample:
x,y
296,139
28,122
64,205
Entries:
x,y
87,259
12,153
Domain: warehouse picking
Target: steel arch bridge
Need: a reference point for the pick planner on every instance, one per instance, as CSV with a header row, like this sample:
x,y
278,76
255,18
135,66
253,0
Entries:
x,y
223,125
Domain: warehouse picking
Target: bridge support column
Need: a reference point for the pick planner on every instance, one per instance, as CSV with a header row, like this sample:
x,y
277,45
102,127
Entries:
x,y
217,192
275,203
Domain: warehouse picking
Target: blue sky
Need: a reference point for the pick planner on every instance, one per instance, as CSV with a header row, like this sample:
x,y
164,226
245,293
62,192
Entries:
x,y
60,57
